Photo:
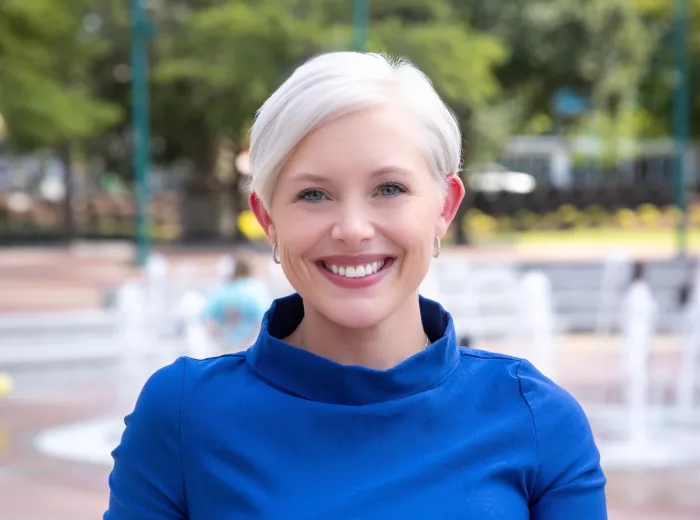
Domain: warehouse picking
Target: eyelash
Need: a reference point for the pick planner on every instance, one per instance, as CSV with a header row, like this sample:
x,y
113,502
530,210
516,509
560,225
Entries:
x,y
399,187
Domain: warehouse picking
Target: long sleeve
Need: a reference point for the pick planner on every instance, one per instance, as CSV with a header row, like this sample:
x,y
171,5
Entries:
x,y
147,480
569,482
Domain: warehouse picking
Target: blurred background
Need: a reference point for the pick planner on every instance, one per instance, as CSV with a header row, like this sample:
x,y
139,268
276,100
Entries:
x,y
123,214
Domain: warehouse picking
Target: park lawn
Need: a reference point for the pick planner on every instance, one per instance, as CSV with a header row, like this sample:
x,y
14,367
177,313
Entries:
x,y
613,236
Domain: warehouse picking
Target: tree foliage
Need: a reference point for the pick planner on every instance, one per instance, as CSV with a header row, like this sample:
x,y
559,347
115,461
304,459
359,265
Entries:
x,y
45,88
498,63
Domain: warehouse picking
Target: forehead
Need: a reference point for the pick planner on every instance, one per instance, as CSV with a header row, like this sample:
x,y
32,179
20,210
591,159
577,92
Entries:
x,y
368,141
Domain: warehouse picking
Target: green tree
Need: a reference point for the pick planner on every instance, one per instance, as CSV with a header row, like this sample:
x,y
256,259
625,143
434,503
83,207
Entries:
x,y
600,49
657,86
46,52
227,57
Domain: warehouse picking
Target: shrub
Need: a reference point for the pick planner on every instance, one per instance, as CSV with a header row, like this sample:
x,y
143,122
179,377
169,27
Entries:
x,y
694,215
504,224
627,219
525,220
568,216
547,222
649,216
670,215
594,216
480,224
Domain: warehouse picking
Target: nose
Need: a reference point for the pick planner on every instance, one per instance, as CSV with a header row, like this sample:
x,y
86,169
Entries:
x,y
353,224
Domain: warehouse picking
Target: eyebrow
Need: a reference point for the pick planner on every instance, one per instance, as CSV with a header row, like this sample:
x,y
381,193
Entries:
x,y
318,178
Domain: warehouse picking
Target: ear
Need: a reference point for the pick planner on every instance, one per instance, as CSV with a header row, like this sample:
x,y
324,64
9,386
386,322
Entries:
x,y
258,209
453,198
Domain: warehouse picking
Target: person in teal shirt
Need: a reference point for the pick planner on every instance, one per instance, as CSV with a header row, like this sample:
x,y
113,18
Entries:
x,y
235,309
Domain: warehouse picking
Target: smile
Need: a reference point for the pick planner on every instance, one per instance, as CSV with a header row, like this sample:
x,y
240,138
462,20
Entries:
x,y
355,271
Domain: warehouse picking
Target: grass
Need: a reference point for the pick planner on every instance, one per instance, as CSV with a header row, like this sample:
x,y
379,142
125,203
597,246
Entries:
x,y
658,237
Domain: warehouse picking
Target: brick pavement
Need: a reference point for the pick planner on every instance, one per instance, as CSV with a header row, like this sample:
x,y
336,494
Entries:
x,y
48,279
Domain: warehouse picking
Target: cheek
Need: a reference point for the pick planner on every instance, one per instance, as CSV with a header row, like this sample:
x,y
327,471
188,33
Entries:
x,y
414,223
297,231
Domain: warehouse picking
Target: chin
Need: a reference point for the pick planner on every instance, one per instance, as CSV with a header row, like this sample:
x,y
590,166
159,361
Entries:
x,y
359,313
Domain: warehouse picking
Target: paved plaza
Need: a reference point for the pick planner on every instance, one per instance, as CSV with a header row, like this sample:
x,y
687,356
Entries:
x,y
61,420
37,483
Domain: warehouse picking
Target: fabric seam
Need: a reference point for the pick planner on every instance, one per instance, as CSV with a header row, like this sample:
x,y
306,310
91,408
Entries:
x,y
179,433
534,426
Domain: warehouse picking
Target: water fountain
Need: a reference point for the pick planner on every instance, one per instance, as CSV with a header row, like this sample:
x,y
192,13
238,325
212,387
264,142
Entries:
x,y
637,432
688,382
639,315
133,340
536,322
188,312
616,266
225,267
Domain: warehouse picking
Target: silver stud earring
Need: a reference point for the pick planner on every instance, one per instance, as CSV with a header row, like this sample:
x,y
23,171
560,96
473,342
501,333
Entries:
x,y
436,247
275,249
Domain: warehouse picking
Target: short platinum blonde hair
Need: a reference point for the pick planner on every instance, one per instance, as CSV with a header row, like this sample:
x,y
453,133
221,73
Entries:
x,y
336,84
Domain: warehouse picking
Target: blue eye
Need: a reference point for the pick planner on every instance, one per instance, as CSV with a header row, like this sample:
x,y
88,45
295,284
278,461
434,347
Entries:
x,y
390,189
312,195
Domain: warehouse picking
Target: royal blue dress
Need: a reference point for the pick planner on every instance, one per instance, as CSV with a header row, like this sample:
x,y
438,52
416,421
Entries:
x,y
278,433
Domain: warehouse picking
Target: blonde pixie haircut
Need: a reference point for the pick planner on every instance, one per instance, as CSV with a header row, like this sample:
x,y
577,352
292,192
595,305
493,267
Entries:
x,y
336,84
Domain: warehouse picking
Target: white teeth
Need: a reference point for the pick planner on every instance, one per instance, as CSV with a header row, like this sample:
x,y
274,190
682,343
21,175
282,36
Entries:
x,y
359,271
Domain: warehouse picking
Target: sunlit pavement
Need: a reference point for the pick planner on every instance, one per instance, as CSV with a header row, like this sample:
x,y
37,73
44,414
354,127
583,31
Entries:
x,y
37,483
39,486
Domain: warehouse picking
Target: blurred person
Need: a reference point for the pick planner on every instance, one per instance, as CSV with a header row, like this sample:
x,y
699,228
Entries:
x,y
687,294
356,400
234,310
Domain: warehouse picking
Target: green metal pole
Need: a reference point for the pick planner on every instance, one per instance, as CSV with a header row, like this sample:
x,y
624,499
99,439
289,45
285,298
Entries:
x,y
681,120
140,37
360,17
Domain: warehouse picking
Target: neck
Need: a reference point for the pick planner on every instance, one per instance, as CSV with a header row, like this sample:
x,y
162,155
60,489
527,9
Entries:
x,y
380,347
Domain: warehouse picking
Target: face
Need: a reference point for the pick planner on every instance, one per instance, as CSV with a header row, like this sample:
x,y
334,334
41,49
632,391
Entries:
x,y
355,213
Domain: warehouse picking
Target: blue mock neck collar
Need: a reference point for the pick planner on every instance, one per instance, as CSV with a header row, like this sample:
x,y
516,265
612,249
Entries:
x,y
315,378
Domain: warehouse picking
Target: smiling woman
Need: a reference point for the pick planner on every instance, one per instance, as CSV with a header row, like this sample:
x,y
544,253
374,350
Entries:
x,y
356,400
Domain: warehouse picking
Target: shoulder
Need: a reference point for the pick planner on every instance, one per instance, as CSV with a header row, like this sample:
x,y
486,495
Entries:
x,y
175,390
568,458
549,403
563,446
490,364
199,371
162,392
178,377
553,410
485,355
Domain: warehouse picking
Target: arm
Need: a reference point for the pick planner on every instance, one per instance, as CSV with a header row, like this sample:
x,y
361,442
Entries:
x,y
147,481
569,482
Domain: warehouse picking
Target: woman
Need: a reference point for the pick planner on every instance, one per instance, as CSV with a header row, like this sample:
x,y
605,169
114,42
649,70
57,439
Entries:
x,y
356,401
235,309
